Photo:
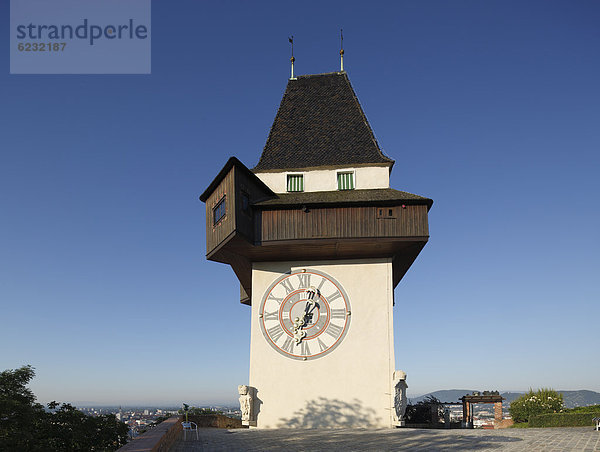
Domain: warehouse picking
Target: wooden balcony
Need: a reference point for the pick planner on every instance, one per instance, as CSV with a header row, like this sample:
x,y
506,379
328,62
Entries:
x,y
259,225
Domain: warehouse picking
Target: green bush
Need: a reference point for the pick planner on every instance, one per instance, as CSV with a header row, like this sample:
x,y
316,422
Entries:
x,y
563,420
534,403
583,409
423,411
520,425
195,411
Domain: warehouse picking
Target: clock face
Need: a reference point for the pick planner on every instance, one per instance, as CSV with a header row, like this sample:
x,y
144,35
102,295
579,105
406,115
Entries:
x,y
305,314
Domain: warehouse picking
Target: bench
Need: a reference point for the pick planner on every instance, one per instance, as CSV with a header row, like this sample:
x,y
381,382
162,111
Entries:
x,y
597,421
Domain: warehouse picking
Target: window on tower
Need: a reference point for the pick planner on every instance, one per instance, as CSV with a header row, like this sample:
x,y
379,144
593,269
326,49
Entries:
x,y
295,182
387,212
219,210
345,180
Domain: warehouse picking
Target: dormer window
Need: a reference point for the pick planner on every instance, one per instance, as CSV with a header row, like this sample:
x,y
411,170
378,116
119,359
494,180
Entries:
x,y
345,180
295,182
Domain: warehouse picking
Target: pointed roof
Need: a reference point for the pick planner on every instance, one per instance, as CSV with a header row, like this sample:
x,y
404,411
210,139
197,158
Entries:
x,y
320,123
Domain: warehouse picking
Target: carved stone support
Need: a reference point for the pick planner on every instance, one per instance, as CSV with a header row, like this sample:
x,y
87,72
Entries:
x,y
247,402
400,399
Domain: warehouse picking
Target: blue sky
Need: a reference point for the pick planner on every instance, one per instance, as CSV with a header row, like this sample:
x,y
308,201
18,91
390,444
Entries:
x,y
490,108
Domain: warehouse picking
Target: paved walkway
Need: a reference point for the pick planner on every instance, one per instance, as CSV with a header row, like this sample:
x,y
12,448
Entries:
x,y
535,439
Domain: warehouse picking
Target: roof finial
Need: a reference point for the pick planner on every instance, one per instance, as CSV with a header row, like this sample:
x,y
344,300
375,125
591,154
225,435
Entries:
x,y
292,59
341,50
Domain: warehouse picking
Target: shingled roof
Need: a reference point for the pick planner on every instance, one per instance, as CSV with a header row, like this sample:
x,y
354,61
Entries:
x,y
320,123
374,196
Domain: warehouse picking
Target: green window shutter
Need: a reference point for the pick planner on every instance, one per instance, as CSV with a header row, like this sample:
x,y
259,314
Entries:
x,y
345,181
295,182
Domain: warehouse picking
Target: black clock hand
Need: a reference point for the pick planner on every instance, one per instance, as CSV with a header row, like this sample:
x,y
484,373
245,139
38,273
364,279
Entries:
x,y
306,308
309,308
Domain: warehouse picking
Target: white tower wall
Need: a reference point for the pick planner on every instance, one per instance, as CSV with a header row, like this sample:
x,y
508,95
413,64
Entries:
x,y
352,385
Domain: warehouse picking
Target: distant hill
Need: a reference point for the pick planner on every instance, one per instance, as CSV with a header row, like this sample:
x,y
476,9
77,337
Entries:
x,y
510,396
572,399
580,398
446,395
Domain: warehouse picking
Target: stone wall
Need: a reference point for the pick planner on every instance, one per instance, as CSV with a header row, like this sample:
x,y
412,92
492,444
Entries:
x,y
157,439
215,421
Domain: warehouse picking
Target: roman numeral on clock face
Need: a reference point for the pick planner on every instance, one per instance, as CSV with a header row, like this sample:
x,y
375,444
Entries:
x,y
288,345
321,284
271,315
338,313
334,330
304,350
287,285
322,346
278,300
304,279
334,296
275,332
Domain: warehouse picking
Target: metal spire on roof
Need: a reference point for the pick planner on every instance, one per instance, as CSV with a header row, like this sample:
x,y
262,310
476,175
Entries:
x,y
292,59
341,50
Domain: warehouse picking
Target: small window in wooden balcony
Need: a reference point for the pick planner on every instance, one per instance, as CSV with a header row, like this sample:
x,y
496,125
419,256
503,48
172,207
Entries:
x,y
345,180
219,210
295,182
386,212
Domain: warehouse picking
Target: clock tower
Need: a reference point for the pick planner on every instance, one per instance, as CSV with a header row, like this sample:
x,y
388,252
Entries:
x,y
318,241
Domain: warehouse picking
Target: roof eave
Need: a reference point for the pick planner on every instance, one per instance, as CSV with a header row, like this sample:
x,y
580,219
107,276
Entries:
x,y
226,168
378,202
389,164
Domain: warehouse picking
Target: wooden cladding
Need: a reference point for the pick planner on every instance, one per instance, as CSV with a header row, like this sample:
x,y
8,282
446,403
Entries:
x,y
219,231
387,212
240,229
229,214
220,210
247,191
342,222
229,207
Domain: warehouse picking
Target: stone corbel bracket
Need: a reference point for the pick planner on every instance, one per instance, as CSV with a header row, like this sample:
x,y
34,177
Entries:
x,y
400,399
248,404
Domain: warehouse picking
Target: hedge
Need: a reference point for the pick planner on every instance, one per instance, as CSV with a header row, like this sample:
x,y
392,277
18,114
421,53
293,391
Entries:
x,y
584,409
563,420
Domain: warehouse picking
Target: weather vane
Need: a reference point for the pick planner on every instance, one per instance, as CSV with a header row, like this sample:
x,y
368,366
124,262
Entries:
x,y
341,50
292,59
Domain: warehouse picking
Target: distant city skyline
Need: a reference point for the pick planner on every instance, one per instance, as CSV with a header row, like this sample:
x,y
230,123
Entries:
x,y
489,108
413,398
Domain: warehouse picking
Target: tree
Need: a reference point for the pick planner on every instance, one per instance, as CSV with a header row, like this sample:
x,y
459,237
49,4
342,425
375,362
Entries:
x,y
20,415
26,426
425,411
195,411
533,403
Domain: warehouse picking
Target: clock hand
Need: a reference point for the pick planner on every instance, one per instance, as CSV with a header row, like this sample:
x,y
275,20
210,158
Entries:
x,y
309,308
299,333
311,292
300,322
309,303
